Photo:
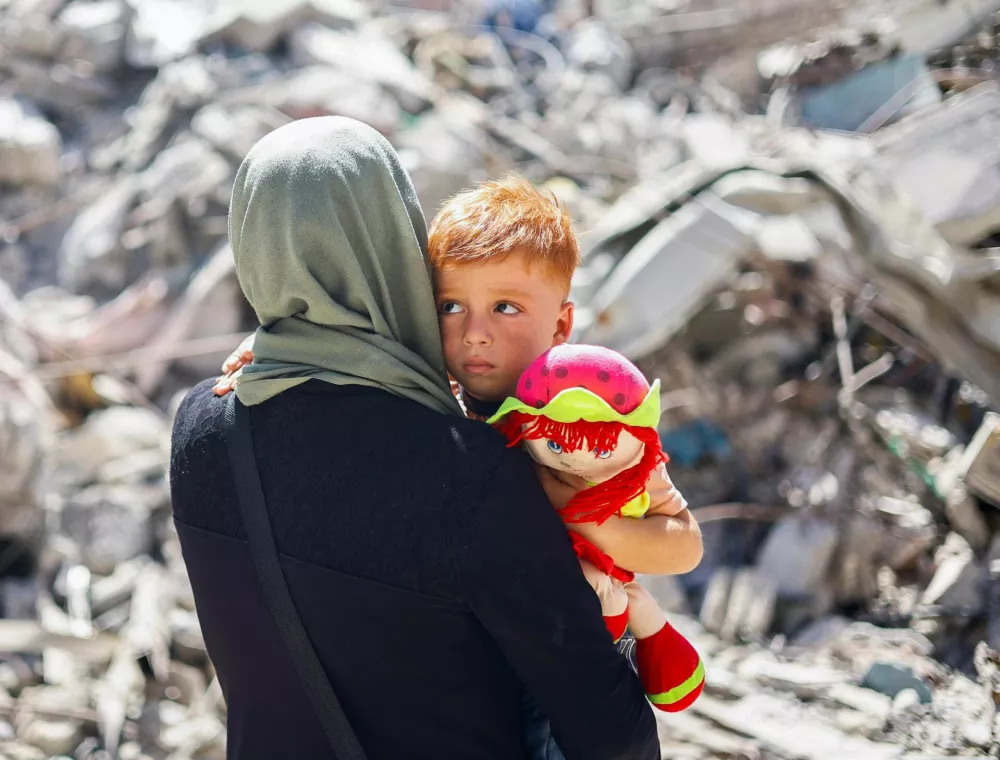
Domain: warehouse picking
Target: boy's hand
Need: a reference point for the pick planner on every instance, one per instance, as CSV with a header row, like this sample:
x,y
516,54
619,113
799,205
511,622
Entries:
x,y
665,541
614,600
559,487
664,498
232,367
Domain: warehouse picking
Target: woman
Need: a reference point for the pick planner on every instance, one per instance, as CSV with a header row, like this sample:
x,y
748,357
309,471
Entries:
x,y
431,575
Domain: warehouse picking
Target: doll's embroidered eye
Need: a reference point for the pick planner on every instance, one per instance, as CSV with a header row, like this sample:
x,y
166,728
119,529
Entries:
x,y
602,453
555,448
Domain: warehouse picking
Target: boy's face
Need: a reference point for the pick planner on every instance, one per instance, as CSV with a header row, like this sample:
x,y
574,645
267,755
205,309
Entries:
x,y
496,318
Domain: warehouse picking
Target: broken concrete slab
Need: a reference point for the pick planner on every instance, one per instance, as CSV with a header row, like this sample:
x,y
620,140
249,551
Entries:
x,y
190,168
945,158
91,256
162,31
30,35
94,32
797,555
258,25
111,524
65,90
321,90
695,250
806,681
233,130
366,54
107,435
30,146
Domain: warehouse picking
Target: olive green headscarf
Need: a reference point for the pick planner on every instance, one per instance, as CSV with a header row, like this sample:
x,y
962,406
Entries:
x,y
330,247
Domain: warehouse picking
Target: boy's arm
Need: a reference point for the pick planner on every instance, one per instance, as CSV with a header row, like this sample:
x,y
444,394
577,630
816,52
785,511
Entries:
x,y
654,545
666,542
524,585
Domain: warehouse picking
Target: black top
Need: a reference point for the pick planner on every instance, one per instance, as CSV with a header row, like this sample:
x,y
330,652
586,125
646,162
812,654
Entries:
x,y
431,575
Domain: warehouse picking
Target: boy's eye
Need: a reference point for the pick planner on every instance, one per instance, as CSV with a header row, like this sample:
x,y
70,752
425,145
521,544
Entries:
x,y
602,453
507,308
555,448
450,307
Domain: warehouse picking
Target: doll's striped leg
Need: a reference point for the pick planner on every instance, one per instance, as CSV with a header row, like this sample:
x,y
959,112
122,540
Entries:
x,y
669,666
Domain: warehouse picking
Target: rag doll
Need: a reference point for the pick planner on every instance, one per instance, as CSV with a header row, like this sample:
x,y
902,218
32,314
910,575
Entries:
x,y
589,412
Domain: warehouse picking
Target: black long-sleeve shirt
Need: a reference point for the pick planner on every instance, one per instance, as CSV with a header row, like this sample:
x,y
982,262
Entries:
x,y
431,575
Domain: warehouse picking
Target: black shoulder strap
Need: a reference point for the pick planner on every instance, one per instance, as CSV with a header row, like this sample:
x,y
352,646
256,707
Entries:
x,y
239,441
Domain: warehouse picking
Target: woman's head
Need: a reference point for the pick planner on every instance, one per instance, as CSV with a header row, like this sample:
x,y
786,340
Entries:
x,y
330,248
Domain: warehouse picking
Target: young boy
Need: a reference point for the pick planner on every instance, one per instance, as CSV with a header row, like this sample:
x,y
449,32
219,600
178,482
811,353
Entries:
x,y
503,255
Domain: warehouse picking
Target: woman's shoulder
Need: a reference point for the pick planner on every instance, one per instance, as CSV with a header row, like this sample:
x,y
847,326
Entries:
x,y
200,414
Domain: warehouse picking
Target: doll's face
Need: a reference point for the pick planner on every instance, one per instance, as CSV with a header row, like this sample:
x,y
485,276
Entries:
x,y
594,466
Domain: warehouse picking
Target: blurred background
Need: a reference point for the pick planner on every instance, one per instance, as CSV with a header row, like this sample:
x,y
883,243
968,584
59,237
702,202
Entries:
x,y
789,212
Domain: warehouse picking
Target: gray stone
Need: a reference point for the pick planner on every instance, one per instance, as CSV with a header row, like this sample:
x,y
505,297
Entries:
x,y
24,442
30,146
162,31
54,737
367,55
861,699
189,169
751,607
233,130
91,255
31,35
63,89
321,90
592,46
17,751
111,524
94,32
257,25
25,8
890,679
106,436
947,159
178,89
797,555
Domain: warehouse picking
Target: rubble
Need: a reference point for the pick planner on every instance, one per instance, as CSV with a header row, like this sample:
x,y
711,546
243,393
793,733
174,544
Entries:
x,y
820,307
30,146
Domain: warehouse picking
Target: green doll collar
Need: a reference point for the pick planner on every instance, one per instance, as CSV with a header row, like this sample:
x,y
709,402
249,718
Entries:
x,y
575,404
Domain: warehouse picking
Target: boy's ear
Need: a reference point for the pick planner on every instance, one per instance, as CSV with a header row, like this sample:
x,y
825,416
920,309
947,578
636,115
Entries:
x,y
564,325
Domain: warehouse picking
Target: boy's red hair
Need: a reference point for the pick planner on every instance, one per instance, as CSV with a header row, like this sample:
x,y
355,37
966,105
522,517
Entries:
x,y
495,218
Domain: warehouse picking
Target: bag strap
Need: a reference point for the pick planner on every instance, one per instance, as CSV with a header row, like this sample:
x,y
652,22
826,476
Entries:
x,y
264,551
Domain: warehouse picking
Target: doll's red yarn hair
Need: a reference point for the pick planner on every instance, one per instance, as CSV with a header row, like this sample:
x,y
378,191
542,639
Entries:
x,y
597,503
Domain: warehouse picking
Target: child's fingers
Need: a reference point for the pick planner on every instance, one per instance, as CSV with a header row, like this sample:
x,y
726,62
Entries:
x,y
226,383
241,356
664,498
558,492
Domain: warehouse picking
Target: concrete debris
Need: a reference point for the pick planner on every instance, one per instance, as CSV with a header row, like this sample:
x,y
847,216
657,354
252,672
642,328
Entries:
x,y
30,146
794,228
